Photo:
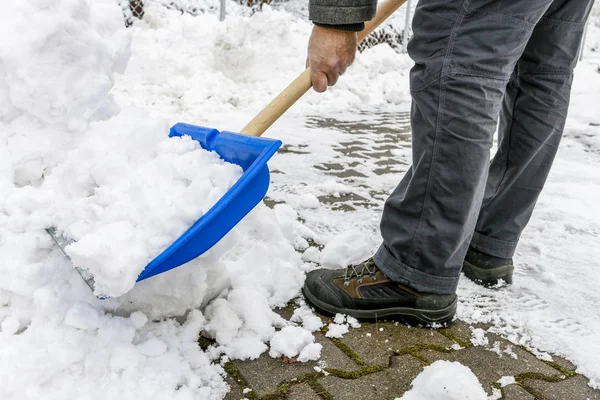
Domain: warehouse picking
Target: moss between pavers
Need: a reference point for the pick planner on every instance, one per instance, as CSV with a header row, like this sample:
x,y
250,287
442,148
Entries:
x,y
366,370
284,388
516,391
320,390
351,354
540,377
576,387
311,380
566,372
415,351
451,336
563,370
232,370
379,383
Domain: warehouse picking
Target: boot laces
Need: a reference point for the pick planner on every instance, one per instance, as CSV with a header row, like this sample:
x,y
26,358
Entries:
x,y
360,270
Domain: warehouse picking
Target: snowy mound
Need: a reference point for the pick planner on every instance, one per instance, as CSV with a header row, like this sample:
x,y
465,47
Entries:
x,y
113,181
445,380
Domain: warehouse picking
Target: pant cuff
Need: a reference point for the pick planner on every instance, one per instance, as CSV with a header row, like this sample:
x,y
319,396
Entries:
x,y
402,273
493,247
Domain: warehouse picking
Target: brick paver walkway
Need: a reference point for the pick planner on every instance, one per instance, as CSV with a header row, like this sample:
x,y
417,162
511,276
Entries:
x,y
380,360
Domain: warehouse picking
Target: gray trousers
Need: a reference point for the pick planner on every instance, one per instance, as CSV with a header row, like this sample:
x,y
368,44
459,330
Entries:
x,y
478,62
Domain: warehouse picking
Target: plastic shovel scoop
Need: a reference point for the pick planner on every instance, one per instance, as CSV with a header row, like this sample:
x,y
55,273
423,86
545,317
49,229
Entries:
x,y
245,149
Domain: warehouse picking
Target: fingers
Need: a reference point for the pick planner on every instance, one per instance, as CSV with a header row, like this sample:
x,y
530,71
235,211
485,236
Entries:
x,y
319,80
333,76
323,77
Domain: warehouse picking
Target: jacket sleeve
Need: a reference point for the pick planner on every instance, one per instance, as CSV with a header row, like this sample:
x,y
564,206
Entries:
x,y
341,14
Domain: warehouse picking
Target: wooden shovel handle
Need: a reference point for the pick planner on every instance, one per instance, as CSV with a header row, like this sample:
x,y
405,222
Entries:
x,y
302,83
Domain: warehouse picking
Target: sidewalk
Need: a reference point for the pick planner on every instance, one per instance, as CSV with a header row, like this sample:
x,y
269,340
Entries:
x,y
380,360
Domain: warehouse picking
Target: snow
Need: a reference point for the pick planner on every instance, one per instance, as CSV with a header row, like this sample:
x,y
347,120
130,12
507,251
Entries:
x,y
305,315
312,254
308,201
311,352
353,322
105,173
506,380
336,330
349,248
60,137
445,380
142,191
9,326
478,337
339,318
292,341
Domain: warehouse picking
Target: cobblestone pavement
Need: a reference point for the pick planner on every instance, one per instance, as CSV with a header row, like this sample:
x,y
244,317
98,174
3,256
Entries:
x,y
380,360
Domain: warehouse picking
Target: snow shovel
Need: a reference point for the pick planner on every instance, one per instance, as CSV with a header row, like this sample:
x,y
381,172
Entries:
x,y
245,149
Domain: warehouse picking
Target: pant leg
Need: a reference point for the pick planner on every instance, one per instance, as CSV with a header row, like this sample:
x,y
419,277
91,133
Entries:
x,y
531,126
464,53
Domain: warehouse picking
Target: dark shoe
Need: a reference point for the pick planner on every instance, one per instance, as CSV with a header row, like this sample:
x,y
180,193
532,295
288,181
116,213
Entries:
x,y
487,270
364,292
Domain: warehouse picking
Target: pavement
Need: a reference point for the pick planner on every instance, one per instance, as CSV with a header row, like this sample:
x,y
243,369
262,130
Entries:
x,y
380,360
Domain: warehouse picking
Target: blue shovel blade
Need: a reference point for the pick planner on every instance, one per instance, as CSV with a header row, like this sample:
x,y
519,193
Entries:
x,y
249,152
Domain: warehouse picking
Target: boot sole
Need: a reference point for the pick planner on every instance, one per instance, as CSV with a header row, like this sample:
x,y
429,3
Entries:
x,y
488,276
418,317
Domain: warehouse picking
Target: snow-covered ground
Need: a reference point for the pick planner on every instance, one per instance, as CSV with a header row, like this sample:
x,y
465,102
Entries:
x,y
58,341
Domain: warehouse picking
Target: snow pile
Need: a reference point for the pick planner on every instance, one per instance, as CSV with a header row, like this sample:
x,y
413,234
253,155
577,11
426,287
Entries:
x,y
93,356
110,178
223,73
445,380
59,74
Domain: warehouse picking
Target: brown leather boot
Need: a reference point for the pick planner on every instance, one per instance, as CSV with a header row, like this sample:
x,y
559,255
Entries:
x,y
364,292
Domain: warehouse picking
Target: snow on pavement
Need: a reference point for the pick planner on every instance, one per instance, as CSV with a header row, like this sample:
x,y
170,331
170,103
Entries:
x,y
445,380
197,70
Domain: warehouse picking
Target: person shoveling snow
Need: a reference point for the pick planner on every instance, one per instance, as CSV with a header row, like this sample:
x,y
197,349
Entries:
x,y
453,211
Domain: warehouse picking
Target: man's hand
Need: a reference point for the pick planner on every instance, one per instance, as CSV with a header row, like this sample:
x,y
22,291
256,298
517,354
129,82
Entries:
x,y
330,52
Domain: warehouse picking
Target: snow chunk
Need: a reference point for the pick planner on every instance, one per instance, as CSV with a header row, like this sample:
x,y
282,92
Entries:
x,y
353,322
309,321
308,201
336,330
506,380
291,341
339,318
478,337
138,319
445,380
312,254
349,248
311,352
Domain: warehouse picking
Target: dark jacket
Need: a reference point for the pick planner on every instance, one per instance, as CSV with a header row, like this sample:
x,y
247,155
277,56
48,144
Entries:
x,y
341,14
